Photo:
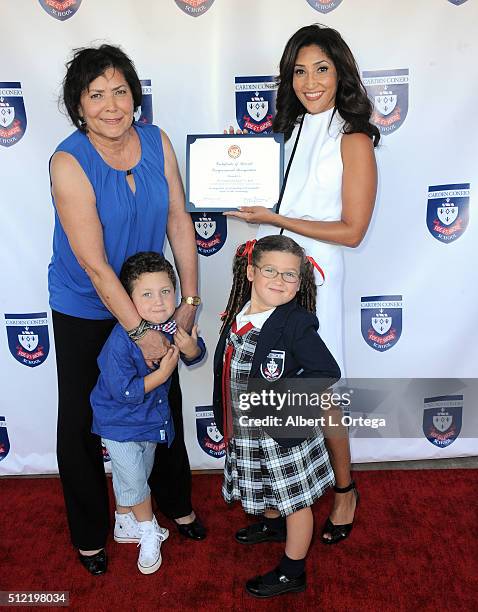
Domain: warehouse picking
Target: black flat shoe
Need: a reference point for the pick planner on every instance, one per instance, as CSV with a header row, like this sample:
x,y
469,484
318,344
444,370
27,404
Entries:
x,y
258,588
259,532
95,564
340,532
194,530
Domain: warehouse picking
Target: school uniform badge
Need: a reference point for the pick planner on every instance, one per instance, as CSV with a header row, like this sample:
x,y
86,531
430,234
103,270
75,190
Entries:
x,y
273,366
381,320
255,103
4,441
442,419
60,9
28,337
324,6
209,437
388,90
211,232
13,118
194,8
448,211
144,114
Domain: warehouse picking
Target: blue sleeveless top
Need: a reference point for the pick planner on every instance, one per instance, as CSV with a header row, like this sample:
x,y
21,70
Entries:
x,y
132,222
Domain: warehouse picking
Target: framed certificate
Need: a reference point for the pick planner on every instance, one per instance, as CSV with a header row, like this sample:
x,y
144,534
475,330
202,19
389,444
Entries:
x,y
226,171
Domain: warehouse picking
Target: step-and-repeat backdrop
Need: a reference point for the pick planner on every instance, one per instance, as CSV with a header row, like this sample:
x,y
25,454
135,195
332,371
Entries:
x,y
411,288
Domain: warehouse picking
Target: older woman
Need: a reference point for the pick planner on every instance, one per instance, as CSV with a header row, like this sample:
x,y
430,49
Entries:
x,y
116,190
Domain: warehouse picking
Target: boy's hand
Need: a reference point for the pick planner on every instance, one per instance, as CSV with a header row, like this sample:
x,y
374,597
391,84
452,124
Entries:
x,y
169,362
187,344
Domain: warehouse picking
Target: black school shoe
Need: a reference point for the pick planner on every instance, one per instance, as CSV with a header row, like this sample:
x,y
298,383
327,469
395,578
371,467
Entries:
x,y
194,530
260,532
95,564
258,588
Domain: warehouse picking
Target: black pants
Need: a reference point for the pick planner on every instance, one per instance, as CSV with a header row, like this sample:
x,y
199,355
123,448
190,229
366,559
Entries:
x,y
78,343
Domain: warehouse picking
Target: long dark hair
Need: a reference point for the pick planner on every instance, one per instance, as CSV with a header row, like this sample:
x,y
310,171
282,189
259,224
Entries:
x,y
87,64
241,287
351,99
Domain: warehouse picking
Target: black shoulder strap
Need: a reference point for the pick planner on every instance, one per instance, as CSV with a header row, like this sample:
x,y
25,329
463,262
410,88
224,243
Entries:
x,y
284,183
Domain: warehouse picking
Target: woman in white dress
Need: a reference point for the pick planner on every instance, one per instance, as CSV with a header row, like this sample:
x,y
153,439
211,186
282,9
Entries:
x,y
328,199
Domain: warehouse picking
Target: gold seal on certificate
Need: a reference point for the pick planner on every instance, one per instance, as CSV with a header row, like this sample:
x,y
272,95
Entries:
x,y
226,171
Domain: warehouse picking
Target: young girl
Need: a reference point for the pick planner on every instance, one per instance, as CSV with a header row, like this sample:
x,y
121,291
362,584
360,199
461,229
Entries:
x,y
130,402
270,332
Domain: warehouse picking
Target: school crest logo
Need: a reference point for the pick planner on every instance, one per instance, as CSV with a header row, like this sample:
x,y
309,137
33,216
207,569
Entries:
x,y
324,6
4,441
448,211
13,118
209,437
60,9
388,90
28,337
442,418
255,103
457,2
381,318
194,8
273,366
144,114
211,232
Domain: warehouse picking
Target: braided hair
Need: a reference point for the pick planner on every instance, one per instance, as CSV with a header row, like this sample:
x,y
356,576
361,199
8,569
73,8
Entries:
x,y
252,252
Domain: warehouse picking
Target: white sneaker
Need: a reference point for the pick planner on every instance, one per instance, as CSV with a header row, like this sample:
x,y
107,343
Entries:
x,y
127,529
151,537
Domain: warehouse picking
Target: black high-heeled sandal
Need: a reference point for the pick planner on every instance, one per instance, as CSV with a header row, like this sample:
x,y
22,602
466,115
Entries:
x,y
340,532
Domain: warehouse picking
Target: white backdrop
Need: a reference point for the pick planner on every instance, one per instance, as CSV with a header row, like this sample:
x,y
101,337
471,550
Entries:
x,y
192,63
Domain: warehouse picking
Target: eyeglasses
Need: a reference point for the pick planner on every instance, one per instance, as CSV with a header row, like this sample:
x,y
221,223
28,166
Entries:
x,y
270,272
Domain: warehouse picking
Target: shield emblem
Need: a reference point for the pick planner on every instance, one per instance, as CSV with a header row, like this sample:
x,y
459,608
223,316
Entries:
x,y
28,340
442,421
255,103
7,114
273,367
194,8
60,9
13,118
381,320
381,323
205,227
448,211
28,337
214,433
386,103
4,441
388,89
208,436
448,214
257,108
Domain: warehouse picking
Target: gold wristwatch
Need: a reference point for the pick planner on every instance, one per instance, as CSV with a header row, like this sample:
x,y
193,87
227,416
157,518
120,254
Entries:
x,y
194,300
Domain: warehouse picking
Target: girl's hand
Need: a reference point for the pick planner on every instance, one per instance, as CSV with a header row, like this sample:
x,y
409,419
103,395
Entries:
x,y
254,214
169,362
187,344
153,345
230,130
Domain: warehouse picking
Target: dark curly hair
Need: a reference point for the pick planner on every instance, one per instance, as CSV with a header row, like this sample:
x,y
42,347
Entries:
x,y
241,287
142,263
87,64
351,100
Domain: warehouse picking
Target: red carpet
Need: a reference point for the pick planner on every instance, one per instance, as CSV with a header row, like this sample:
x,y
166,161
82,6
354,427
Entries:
x,y
414,547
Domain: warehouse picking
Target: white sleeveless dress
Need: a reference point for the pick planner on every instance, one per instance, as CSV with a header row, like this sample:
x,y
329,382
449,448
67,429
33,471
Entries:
x,y
314,192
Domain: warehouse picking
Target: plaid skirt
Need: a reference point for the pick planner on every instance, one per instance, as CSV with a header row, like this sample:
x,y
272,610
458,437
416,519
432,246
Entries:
x,y
264,475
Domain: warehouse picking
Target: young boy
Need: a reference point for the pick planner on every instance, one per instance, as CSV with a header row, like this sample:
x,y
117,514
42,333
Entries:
x,y
130,402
